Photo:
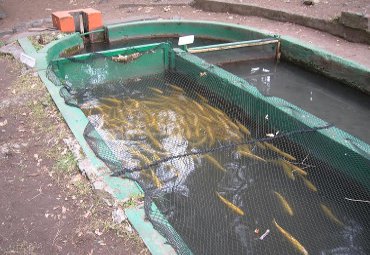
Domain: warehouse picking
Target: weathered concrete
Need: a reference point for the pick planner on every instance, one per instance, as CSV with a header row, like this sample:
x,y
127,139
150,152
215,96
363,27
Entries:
x,y
2,13
355,20
330,26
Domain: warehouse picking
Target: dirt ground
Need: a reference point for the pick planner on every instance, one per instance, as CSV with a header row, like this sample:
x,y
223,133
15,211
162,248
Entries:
x,y
118,10
46,206
324,9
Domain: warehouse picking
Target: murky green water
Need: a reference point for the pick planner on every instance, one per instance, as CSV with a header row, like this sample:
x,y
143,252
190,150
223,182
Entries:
x,y
346,108
230,200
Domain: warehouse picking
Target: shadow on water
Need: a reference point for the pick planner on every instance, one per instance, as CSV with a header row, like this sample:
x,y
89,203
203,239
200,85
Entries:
x,y
346,108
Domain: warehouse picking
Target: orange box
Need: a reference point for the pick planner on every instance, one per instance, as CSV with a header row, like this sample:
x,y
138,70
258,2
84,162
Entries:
x,y
93,18
65,20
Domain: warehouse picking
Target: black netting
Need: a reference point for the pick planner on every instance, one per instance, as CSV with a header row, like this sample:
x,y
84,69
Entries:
x,y
224,171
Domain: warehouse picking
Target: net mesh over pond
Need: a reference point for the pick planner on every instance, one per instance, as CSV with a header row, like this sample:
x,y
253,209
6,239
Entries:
x,y
223,172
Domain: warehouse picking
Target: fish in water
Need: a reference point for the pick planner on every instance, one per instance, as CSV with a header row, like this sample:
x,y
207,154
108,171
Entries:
x,y
214,162
141,156
250,155
284,203
199,106
244,147
309,184
299,247
202,97
233,207
211,136
200,142
288,170
293,168
126,58
215,110
111,100
195,121
156,90
331,215
157,182
277,150
176,88
243,128
154,141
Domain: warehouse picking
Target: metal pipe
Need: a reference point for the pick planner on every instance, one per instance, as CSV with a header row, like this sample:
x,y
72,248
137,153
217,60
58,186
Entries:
x,y
233,45
92,32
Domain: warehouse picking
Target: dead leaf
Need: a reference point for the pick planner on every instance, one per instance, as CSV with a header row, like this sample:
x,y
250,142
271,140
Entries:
x,y
97,232
102,243
87,214
3,123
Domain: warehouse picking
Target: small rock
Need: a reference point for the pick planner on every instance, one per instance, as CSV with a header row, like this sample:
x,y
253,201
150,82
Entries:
x,y
308,2
118,216
75,179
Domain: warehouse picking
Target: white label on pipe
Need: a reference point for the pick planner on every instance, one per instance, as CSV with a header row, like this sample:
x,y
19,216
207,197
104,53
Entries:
x,y
28,60
184,40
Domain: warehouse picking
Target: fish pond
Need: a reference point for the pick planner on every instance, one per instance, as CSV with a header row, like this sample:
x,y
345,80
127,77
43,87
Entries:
x,y
215,175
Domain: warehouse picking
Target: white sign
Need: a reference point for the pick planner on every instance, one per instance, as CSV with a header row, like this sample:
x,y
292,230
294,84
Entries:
x,y
184,40
28,60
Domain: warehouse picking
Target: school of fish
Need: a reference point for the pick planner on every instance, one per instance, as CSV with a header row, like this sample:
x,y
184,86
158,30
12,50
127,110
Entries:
x,y
169,112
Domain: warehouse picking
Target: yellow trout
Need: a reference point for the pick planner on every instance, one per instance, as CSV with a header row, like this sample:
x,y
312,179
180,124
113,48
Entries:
x,y
111,100
200,107
154,141
284,203
157,182
156,90
243,128
282,153
214,162
176,88
299,247
202,97
250,155
309,184
244,147
200,142
215,110
287,169
331,215
142,157
211,136
233,207
294,168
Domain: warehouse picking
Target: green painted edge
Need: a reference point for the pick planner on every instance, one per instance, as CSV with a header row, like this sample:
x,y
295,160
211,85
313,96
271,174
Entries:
x,y
326,63
306,55
147,232
122,188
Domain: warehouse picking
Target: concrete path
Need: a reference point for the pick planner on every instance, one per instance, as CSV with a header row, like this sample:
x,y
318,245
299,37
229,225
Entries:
x,y
350,23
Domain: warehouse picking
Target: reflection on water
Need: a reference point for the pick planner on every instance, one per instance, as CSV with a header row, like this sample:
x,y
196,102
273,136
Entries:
x,y
261,198
346,108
